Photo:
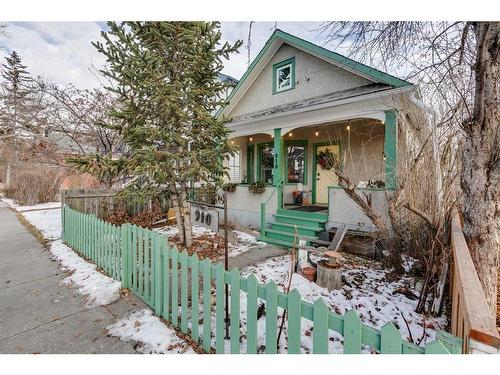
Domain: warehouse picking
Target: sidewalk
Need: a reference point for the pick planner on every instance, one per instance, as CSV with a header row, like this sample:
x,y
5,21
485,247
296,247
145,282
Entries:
x,y
37,315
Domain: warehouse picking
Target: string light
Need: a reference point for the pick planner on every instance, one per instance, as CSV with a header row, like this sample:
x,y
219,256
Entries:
x,y
290,134
232,142
316,133
251,139
348,127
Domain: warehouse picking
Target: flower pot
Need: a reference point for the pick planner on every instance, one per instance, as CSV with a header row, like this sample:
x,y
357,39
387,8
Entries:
x,y
309,273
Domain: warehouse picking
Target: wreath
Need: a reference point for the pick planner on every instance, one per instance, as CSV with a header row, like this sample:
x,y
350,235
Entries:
x,y
326,159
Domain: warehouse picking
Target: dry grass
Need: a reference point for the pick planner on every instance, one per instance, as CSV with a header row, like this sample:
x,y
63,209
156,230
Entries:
x,y
34,184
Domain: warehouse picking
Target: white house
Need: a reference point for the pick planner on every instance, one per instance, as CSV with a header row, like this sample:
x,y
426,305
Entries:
x,y
295,107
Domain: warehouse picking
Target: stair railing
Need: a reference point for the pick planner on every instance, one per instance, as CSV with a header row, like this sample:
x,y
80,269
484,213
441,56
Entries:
x,y
279,189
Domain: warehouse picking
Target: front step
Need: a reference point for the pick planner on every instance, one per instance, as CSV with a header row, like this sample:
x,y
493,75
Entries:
x,y
301,229
282,231
320,217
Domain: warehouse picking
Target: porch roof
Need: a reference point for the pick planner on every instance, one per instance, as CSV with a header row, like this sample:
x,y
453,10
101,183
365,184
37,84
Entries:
x,y
311,102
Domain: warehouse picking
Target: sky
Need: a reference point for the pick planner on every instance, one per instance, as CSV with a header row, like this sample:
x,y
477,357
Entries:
x,y
63,53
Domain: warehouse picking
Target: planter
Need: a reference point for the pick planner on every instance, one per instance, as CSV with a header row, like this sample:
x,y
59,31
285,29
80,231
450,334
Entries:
x,y
257,188
230,187
309,273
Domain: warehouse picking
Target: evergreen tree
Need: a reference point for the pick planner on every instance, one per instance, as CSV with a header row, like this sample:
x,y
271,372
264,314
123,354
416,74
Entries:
x,y
165,75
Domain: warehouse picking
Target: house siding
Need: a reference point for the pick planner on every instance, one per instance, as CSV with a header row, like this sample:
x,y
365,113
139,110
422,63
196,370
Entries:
x,y
313,77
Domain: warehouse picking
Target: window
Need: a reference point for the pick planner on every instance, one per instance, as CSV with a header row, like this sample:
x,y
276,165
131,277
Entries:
x,y
296,162
284,75
266,163
233,164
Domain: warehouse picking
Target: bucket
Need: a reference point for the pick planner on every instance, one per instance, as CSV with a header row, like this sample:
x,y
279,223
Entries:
x,y
309,273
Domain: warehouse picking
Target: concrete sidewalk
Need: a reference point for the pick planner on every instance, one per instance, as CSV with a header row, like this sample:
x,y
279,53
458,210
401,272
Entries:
x,y
37,315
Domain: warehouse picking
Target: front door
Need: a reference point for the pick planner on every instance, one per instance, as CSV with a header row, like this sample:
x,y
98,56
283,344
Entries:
x,y
325,175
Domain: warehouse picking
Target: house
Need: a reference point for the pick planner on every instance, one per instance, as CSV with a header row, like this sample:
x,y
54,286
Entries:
x,y
296,107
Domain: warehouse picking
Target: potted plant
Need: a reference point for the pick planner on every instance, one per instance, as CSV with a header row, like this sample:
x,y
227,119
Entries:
x,y
257,187
229,187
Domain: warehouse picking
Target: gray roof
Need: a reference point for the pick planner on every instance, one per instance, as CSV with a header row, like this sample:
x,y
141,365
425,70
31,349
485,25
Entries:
x,y
227,78
331,97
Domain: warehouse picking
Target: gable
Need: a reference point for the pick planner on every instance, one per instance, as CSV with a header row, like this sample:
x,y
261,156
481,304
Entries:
x,y
274,43
313,77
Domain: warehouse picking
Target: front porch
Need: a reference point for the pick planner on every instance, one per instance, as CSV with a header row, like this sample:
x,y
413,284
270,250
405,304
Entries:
x,y
300,187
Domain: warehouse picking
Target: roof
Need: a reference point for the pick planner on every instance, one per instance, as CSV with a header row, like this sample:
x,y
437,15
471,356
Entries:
x,y
317,100
227,78
279,37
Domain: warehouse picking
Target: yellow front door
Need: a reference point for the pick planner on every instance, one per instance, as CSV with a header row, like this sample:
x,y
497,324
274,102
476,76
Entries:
x,y
325,177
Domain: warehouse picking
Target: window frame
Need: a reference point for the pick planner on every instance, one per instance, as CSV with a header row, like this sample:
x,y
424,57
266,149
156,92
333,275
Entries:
x,y
260,148
237,150
282,64
298,142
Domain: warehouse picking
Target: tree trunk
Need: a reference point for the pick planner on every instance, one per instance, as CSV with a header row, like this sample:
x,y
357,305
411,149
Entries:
x,y
8,175
481,163
186,216
178,214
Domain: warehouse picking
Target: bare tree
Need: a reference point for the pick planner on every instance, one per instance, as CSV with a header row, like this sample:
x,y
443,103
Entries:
x,y
456,65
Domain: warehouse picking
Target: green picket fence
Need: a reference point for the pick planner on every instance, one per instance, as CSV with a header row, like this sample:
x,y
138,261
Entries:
x,y
180,289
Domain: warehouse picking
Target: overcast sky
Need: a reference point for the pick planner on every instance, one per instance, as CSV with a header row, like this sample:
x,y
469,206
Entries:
x,y
63,52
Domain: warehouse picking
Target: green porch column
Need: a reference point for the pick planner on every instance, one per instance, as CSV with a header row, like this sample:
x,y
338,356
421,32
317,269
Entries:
x,y
278,156
390,149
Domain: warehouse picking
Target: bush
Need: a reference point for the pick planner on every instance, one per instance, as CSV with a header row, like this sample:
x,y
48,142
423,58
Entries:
x,y
34,185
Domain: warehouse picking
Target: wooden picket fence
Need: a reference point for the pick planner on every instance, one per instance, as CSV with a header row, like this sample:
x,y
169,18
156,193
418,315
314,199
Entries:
x,y
180,289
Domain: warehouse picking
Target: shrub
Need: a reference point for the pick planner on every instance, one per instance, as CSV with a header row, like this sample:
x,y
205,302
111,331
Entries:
x,y
34,185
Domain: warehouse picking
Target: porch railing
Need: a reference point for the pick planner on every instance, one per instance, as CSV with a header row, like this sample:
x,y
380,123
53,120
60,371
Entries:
x,y
278,189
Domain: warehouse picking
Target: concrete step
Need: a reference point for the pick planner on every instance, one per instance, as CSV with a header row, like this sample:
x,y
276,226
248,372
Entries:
x,y
301,229
309,222
319,216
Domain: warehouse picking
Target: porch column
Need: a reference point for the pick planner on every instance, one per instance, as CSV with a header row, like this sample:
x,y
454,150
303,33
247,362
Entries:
x,y
278,156
390,149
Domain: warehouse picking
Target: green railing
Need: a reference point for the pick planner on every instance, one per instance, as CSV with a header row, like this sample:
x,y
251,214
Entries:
x,y
179,288
278,189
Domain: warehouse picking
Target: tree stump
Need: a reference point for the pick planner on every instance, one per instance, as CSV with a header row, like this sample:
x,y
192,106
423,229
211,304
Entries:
x,y
329,277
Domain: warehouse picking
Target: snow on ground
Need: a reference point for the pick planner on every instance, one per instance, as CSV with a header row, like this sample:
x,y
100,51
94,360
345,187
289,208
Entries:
x,y
153,335
198,230
367,289
97,289
141,326
48,222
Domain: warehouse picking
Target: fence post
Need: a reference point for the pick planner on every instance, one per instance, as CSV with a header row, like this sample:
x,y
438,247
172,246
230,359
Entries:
x,y
125,255
262,219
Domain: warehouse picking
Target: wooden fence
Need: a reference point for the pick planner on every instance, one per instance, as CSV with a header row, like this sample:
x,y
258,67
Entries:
x,y
181,289
471,318
101,201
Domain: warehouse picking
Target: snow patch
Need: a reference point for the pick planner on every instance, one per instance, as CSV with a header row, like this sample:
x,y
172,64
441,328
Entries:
x,y
48,222
98,289
153,335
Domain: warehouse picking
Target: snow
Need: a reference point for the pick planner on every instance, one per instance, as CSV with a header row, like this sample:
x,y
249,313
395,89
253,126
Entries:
x,y
152,334
366,289
97,289
48,222
42,206
198,231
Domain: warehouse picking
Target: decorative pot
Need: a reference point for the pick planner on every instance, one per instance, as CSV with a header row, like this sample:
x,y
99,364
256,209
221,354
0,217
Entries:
x,y
309,273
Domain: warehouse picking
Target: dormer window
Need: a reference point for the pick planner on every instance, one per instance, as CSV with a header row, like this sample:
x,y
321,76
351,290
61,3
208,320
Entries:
x,y
284,75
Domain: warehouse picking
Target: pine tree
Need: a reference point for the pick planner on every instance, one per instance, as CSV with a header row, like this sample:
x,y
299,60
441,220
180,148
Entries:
x,y
16,106
166,77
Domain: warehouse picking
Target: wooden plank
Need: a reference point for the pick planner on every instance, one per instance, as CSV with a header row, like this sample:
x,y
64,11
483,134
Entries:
x,y
219,308
175,287
436,347
271,317
140,263
390,340
320,327
352,333
147,268
195,298
207,304
135,244
251,314
184,291
294,322
158,275
235,311
166,279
